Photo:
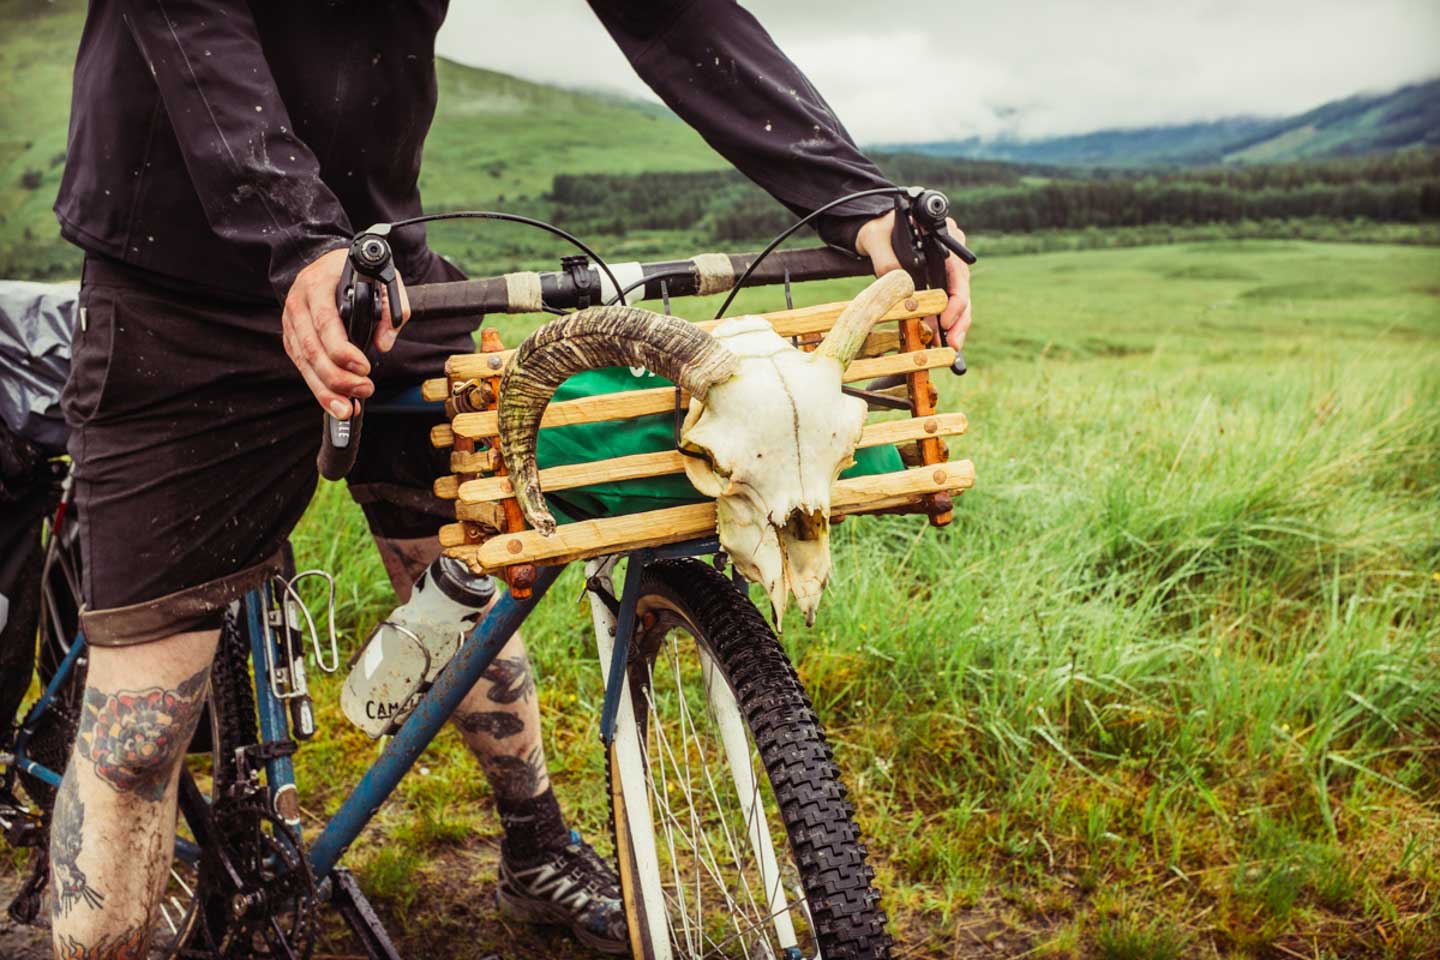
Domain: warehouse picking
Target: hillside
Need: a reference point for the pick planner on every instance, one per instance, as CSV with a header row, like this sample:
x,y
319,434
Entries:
x,y
1407,117
494,136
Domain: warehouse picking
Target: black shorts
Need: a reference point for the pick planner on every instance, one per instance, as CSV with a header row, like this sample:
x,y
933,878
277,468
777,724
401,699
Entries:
x,y
193,439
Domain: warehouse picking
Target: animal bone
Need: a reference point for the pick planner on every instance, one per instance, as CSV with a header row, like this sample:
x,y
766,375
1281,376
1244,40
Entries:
x,y
769,424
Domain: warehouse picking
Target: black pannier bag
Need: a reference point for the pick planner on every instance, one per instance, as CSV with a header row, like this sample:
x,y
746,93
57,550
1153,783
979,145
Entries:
x,y
37,321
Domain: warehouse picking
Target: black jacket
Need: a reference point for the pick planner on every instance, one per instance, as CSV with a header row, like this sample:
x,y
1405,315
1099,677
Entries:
x,y
224,144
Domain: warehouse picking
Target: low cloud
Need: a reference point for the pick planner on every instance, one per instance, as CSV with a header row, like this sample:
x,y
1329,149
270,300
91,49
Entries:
x,y
1033,68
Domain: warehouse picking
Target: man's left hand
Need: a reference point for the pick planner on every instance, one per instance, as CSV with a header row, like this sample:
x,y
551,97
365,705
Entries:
x,y
874,242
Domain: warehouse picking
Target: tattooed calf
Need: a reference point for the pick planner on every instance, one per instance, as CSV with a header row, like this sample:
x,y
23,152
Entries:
x,y
516,778
134,736
66,829
492,723
513,681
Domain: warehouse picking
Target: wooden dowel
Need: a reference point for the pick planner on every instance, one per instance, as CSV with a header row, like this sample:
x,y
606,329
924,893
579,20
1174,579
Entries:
x,y
639,403
787,323
593,538
435,391
668,462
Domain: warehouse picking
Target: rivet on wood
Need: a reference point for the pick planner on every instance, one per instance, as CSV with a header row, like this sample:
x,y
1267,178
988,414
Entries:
x,y
912,304
514,546
919,359
494,363
931,426
939,476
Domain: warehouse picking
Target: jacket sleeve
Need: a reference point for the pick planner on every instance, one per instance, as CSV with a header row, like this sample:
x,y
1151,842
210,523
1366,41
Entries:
x,y
717,68
259,183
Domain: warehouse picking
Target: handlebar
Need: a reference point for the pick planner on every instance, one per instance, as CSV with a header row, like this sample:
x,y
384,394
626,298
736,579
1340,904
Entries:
x,y
582,284
920,239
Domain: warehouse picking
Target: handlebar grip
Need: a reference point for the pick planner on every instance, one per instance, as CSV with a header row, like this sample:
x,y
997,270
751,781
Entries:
x,y
459,298
813,263
340,444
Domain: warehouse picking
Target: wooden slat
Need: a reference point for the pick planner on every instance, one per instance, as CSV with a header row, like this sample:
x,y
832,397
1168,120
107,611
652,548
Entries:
x,y
639,403
436,391
474,461
593,538
787,323
667,462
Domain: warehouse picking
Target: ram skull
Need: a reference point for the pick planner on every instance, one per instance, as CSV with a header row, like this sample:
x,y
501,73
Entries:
x,y
768,425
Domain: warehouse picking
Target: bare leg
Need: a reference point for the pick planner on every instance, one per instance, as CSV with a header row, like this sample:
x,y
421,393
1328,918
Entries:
x,y
113,831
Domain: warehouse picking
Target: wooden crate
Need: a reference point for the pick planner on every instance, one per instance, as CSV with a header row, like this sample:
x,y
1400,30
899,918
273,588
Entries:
x,y
491,535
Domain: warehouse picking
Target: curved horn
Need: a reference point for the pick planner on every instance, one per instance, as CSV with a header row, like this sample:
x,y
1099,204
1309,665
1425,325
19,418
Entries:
x,y
588,340
853,325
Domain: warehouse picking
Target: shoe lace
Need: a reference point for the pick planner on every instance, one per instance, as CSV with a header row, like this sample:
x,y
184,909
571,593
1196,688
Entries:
x,y
588,869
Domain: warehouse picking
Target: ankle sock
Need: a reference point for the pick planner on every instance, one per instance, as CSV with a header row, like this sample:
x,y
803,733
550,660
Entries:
x,y
532,827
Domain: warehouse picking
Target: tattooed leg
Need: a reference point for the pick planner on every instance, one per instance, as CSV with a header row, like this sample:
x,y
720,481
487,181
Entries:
x,y
113,829
500,721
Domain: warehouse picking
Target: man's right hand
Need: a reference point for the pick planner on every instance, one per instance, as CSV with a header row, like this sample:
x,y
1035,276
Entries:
x,y
334,369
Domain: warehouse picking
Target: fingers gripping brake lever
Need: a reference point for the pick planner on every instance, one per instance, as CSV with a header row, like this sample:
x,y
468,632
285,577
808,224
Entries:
x,y
369,267
922,241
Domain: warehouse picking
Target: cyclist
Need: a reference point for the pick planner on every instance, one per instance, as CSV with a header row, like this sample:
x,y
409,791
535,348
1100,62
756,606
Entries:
x,y
221,155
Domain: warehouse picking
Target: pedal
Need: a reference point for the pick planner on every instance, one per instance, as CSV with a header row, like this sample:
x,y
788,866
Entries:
x,y
22,826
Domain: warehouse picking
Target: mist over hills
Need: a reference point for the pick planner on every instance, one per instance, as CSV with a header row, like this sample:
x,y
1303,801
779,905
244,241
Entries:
x,y
1361,124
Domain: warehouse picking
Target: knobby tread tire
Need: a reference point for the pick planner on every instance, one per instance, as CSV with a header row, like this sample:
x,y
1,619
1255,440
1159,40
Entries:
x,y
849,923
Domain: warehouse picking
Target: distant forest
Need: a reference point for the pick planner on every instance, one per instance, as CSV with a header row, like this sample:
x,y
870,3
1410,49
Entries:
x,y
1401,187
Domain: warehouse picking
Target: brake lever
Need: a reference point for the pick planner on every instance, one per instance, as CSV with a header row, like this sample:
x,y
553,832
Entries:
x,y
921,242
373,257
357,301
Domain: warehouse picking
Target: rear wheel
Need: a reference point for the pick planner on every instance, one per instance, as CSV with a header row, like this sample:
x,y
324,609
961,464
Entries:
x,y
732,831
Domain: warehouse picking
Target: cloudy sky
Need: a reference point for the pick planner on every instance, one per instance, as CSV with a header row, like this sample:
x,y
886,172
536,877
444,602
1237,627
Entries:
x,y
1029,67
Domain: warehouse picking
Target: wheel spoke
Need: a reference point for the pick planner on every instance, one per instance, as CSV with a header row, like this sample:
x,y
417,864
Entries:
x,y
681,768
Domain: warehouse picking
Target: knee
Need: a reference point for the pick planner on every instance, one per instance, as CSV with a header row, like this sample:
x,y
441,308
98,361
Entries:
x,y
135,739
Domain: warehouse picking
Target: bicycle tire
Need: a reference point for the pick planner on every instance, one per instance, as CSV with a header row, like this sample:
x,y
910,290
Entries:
x,y
842,908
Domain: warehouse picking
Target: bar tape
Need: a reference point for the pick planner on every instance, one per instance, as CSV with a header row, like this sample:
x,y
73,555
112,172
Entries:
x,y
523,292
716,273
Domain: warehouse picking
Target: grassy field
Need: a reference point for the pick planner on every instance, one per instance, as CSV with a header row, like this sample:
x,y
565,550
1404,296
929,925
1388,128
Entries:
x,y
1168,687
1170,684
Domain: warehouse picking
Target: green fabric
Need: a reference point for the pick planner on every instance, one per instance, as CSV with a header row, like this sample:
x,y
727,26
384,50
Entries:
x,y
621,438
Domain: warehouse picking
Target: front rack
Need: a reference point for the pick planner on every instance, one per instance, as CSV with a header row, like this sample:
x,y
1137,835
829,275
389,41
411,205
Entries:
x,y
490,534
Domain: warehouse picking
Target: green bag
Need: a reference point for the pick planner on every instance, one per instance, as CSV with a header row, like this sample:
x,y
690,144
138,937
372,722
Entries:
x,y
585,442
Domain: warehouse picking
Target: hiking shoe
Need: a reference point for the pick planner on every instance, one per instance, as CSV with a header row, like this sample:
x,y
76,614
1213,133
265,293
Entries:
x,y
568,886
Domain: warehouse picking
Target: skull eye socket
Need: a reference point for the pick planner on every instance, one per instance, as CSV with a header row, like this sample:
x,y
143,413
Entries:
x,y
805,524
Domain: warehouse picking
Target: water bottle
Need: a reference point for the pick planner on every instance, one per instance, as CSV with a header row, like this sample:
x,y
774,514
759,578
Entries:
x,y
406,652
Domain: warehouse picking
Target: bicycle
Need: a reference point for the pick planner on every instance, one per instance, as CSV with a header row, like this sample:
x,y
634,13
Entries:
x,y
247,882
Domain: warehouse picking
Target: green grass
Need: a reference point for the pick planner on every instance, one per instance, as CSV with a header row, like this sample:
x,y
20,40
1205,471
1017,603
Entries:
x,y
1169,685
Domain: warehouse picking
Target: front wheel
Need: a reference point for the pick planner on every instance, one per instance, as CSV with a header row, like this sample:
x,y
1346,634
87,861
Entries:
x,y
732,831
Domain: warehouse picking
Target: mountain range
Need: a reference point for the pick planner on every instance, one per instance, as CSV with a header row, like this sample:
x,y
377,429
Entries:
x,y
1366,123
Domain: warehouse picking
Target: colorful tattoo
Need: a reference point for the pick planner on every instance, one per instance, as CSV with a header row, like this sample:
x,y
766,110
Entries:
x,y
128,945
66,830
492,723
134,736
512,679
